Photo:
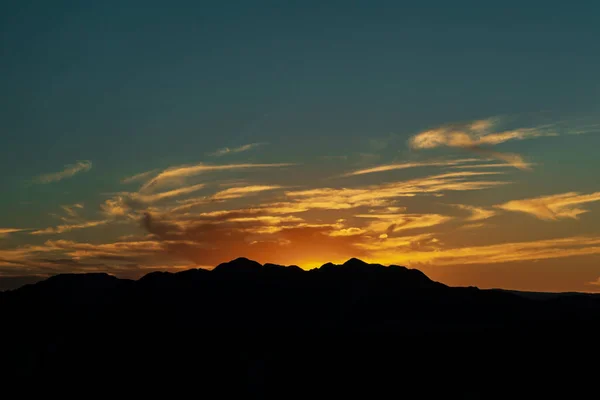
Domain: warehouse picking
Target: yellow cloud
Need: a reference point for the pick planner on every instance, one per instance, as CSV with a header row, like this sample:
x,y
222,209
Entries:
x,y
237,192
394,243
115,207
68,227
391,167
178,173
353,231
139,177
151,198
552,207
477,213
381,195
488,254
475,136
67,172
390,223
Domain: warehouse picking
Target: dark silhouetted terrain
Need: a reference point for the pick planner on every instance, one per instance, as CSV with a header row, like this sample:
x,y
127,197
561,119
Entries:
x,y
244,329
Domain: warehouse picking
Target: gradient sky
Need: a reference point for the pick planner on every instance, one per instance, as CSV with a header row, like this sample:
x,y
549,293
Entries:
x,y
460,138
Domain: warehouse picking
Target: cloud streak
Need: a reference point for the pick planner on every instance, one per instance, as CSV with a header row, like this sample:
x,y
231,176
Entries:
x,y
233,150
68,172
68,227
139,177
477,213
392,167
392,223
382,195
175,175
554,207
4,232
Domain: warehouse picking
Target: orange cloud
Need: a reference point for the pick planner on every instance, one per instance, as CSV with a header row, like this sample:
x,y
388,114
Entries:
x,y
352,231
6,231
552,207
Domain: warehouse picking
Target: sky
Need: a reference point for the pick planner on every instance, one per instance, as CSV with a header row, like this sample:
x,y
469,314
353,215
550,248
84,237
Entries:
x,y
459,138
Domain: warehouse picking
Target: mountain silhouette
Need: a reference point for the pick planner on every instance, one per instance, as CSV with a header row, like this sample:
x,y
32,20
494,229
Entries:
x,y
252,330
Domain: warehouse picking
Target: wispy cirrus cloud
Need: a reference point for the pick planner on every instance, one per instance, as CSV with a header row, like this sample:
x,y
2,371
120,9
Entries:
x,y
477,213
232,150
398,166
558,206
71,209
516,251
382,195
68,227
67,172
154,197
237,192
392,223
177,174
139,177
478,136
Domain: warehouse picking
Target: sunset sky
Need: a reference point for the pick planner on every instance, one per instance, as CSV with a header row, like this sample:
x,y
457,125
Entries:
x,y
460,138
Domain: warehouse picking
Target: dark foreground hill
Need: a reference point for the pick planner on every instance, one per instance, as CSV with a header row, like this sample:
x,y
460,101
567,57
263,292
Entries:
x,y
251,330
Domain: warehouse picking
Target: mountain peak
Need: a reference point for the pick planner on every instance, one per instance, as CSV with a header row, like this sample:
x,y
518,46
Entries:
x,y
355,261
241,264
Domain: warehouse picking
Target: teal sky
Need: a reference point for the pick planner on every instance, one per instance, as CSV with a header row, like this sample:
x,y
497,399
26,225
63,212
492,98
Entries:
x,y
456,137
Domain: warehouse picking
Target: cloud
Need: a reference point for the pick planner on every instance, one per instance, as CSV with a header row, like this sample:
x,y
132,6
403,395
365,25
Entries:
x,y
139,177
352,231
4,232
226,150
71,210
151,198
477,213
237,192
391,223
384,194
124,258
68,227
392,167
475,136
595,283
426,249
476,166
403,243
519,251
116,207
175,175
227,194
67,172
512,159
558,206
